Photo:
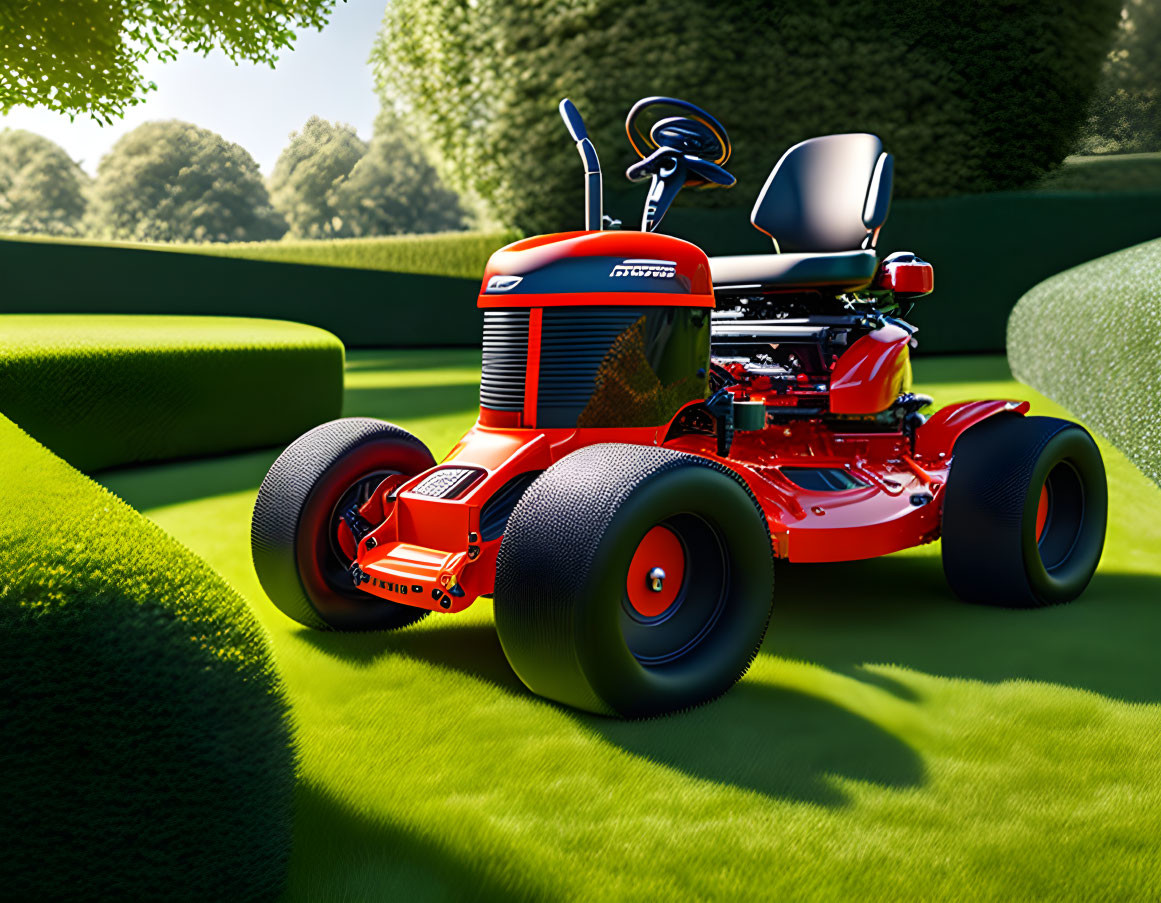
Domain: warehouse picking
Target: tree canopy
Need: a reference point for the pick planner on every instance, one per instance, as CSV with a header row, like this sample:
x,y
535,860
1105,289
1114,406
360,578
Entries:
x,y
85,56
968,96
394,189
308,173
42,190
173,181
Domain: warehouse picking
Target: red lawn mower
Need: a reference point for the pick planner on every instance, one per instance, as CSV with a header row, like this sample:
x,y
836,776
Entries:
x,y
657,427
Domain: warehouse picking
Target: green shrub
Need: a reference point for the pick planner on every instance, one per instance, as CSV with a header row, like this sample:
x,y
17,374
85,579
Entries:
x,y
969,96
1088,339
145,733
108,390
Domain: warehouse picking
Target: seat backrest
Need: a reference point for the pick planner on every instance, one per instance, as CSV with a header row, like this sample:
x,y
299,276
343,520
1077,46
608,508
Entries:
x,y
826,194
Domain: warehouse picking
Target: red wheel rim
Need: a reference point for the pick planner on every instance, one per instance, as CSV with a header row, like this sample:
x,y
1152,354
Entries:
x,y
659,550
1042,512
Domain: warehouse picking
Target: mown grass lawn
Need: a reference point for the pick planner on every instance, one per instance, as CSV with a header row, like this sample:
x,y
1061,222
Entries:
x,y
889,743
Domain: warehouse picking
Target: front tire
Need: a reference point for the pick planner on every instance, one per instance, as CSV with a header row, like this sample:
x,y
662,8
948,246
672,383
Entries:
x,y
584,616
1024,512
301,567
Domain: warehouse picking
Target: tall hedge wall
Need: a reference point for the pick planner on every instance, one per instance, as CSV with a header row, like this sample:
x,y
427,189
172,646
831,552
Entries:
x,y
363,307
987,251
970,97
104,390
144,730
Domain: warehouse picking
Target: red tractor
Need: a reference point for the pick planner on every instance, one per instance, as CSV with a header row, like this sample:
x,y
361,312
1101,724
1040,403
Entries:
x,y
657,427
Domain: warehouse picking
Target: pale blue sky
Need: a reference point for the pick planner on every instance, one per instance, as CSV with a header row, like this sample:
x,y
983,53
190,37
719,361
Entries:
x,y
326,74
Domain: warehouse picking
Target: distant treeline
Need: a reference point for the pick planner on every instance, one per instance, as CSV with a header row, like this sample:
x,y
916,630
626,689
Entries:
x,y
175,182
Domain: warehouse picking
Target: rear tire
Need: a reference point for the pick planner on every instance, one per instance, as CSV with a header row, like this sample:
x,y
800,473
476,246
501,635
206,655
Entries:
x,y
1024,512
294,523
576,616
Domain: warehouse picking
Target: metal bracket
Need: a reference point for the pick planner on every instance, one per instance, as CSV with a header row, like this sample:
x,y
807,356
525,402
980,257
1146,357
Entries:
x,y
721,406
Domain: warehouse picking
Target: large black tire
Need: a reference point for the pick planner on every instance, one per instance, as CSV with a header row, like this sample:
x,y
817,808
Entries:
x,y
562,602
1000,470
291,536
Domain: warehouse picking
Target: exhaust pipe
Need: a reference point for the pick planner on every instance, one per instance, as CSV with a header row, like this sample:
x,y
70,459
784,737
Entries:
x,y
594,194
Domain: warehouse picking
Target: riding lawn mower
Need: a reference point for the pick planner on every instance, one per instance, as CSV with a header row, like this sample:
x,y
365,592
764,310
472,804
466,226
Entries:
x,y
657,428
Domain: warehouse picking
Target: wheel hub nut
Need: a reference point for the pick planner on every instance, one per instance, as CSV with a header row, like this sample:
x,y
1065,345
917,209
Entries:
x,y
656,579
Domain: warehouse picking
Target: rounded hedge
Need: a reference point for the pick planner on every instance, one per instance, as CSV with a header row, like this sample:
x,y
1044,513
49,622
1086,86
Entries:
x,y
968,96
145,734
103,389
1088,339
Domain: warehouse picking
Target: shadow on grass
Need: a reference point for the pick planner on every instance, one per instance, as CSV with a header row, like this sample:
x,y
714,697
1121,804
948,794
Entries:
x,y
778,742
847,618
899,611
174,482
341,854
891,611
411,401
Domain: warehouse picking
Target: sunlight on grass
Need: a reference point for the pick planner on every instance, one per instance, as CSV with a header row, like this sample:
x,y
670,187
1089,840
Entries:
x,y
889,742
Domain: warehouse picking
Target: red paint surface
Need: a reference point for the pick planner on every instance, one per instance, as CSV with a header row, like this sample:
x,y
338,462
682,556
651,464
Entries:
x,y
869,375
661,548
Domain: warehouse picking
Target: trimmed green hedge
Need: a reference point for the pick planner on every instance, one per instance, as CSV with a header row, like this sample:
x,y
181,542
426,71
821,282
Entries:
x,y
987,250
1090,339
363,307
457,254
108,390
146,737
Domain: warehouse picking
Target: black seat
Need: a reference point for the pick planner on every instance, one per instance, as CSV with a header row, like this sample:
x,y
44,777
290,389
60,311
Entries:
x,y
822,206
842,270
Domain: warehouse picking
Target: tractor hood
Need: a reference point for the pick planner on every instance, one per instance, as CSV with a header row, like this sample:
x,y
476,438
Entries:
x,y
598,269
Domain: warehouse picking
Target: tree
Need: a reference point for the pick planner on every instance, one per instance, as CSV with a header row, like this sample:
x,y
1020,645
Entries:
x,y
394,188
1125,114
173,181
42,190
969,97
84,56
308,173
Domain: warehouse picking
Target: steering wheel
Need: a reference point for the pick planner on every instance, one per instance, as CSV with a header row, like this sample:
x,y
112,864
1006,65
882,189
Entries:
x,y
695,142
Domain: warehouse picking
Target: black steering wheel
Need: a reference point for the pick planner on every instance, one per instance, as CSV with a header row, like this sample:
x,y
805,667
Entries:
x,y
693,145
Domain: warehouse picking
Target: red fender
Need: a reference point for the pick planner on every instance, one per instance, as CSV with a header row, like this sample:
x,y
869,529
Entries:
x,y
936,438
872,373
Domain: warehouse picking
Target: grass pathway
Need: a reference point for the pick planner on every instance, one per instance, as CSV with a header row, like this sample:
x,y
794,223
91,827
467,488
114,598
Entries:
x,y
889,742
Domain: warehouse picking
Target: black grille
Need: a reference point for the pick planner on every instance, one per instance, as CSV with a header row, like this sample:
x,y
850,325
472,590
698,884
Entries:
x,y
822,479
573,343
447,482
505,360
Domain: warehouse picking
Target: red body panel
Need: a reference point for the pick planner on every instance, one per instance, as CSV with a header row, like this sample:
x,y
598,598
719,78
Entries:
x,y
870,374
620,261
936,438
425,544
